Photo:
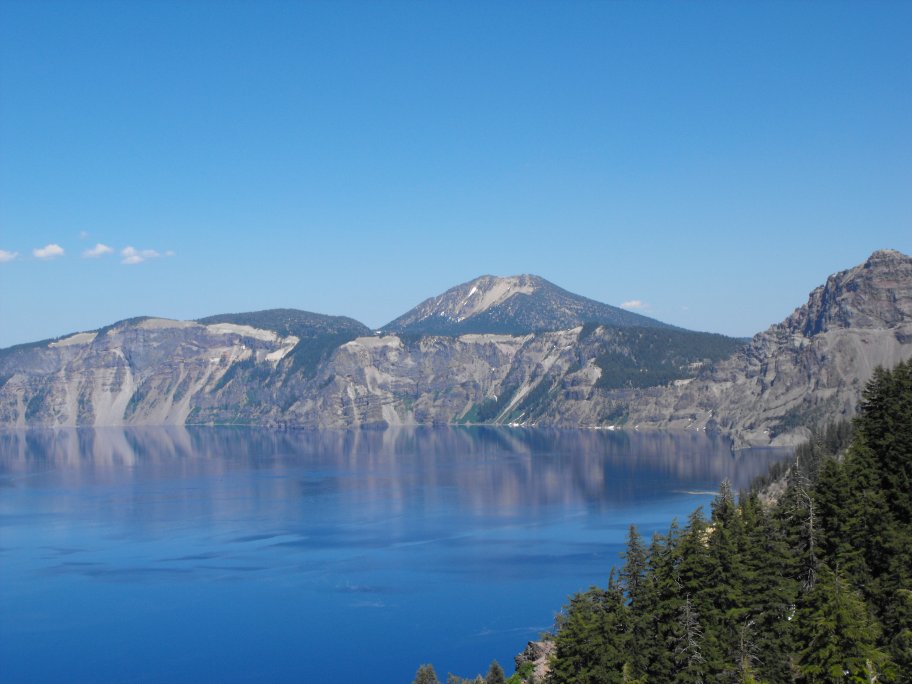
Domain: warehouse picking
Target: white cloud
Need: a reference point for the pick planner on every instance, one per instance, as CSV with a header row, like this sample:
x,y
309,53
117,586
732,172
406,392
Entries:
x,y
633,304
169,253
131,255
83,234
51,251
97,251
7,256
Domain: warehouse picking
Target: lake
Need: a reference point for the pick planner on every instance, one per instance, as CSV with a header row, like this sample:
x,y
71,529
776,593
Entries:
x,y
223,554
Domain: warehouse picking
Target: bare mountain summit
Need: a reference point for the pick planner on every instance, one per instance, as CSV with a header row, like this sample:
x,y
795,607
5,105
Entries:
x,y
510,305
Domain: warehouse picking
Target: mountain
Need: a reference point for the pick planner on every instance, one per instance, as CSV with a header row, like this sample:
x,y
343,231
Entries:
x,y
157,371
511,305
289,368
318,335
808,369
302,324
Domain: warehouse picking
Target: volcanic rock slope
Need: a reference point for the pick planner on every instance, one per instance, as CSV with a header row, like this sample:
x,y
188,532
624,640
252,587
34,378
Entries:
x,y
809,369
510,305
513,350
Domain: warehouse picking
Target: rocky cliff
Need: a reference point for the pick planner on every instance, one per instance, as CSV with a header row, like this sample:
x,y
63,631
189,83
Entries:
x,y
808,369
291,368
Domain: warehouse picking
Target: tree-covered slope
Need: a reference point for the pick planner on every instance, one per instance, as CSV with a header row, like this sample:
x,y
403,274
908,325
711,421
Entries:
x,y
318,334
816,588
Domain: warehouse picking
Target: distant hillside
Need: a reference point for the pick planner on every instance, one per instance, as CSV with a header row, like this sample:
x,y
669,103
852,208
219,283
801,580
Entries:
x,y
319,335
511,305
484,352
301,324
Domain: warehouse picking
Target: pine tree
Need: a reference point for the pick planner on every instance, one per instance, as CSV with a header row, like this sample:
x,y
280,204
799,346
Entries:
x,y
495,674
634,583
837,633
691,665
591,640
426,675
660,605
769,594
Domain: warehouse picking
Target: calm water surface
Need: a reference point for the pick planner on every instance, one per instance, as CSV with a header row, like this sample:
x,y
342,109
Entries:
x,y
221,554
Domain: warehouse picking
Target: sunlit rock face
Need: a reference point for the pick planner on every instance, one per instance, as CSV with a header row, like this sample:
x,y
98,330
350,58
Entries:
x,y
290,368
147,371
810,368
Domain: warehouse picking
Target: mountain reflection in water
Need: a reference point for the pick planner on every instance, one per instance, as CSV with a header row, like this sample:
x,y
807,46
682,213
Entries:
x,y
446,544
542,466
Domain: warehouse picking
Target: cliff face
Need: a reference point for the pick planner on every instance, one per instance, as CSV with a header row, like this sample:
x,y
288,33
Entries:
x,y
150,371
316,371
809,368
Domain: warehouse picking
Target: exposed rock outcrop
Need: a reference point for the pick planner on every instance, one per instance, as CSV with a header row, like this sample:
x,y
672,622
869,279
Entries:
x,y
808,369
292,368
539,654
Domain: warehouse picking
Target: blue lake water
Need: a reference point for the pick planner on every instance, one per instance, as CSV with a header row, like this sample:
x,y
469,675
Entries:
x,y
220,554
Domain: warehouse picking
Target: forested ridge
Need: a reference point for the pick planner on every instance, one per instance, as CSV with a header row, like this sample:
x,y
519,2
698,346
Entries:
x,y
815,587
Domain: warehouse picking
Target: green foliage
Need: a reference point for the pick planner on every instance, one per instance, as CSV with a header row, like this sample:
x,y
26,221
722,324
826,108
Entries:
x,y
36,404
592,639
837,633
495,674
648,357
319,335
536,400
426,675
489,409
814,588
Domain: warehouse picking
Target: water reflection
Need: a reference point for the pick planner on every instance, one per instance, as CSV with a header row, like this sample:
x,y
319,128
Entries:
x,y
447,544
483,469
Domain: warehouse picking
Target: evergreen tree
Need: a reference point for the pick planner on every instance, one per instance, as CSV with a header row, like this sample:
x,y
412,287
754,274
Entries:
x,y
661,605
691,665
495,674
426,675
817,588
769,594
837,633
634,582
591,641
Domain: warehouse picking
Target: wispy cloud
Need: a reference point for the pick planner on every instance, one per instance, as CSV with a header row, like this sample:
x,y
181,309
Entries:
x,y
83,234
633,304
131,255
7,256
97,251
51,251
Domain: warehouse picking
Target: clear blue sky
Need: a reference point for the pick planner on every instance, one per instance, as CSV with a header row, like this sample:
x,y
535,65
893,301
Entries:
x,y
714,161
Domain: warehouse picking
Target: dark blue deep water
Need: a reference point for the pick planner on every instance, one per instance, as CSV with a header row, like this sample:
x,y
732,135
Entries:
x,y
219,554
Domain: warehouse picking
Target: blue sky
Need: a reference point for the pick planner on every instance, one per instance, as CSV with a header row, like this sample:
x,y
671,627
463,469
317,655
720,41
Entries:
x,y
713,161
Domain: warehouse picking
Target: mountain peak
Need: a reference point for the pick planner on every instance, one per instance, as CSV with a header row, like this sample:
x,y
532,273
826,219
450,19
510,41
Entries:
x,y
875,294
882,257
511,305
486,292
